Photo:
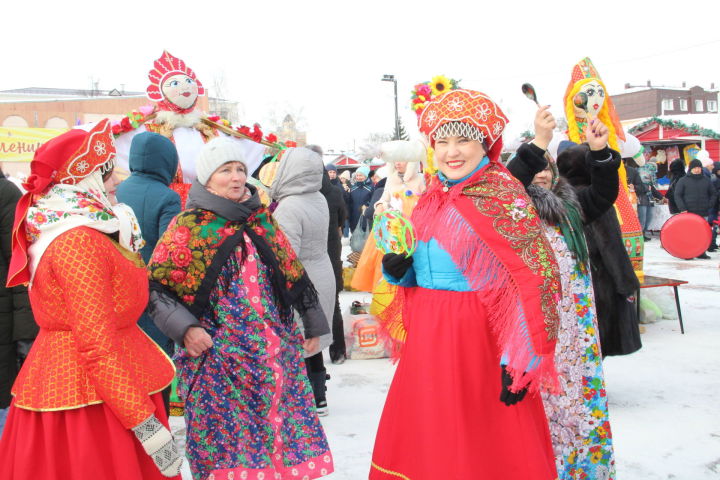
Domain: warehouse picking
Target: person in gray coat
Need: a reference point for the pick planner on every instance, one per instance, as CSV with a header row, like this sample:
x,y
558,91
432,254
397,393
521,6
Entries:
x,y
303,215
153,162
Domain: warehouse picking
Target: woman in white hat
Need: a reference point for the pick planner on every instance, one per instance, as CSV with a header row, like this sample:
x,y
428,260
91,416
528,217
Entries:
x,y
226,283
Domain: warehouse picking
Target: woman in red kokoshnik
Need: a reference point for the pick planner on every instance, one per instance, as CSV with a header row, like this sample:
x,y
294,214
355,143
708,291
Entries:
x,y
86,403
480,310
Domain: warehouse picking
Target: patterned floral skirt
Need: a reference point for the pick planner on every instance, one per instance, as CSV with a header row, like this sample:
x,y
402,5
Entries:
x,y
578,417
249,407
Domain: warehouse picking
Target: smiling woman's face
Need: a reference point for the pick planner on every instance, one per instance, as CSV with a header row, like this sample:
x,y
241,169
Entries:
x,y
180,90
457,157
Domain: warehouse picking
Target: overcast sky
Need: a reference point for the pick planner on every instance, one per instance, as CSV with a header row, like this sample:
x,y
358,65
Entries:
x,y
326,58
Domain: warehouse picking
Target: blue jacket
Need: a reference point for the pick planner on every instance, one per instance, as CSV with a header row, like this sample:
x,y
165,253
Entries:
x,y
153,162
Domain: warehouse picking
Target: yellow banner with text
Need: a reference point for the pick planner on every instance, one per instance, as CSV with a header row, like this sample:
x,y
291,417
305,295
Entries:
x,y
18,144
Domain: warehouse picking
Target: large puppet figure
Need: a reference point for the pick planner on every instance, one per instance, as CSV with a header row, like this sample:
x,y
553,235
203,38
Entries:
x,y
586,80
175,88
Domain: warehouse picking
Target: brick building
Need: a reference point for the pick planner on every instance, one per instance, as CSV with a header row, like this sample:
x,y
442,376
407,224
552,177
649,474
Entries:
x,y
649,101
63,108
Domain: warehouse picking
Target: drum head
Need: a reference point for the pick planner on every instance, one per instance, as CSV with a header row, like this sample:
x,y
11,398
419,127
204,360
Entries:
x,y
685,235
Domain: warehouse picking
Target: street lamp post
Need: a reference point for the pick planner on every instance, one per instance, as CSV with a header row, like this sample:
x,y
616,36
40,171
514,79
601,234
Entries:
x,y
391,78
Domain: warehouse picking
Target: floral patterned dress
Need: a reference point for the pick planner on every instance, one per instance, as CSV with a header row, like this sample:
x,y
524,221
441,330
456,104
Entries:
x,y
578,418
249,407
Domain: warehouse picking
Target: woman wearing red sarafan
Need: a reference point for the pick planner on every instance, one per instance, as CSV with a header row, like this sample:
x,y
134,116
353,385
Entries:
x,y
86,403
480,312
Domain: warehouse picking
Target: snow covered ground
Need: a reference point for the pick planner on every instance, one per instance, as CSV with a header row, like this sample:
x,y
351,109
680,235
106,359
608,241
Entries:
x,y
663,399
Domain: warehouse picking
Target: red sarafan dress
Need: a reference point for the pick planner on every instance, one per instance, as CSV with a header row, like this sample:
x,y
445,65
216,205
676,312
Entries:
x,y
91,374
481,291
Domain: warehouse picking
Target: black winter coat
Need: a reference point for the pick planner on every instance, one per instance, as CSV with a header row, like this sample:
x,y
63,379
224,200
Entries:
x,y
676,172
695,193
376,196
643,192
614,280
338,214
16,319
594,200
360,195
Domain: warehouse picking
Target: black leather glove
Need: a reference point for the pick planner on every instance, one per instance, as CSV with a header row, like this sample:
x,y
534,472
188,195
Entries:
x,y
396,265
506,396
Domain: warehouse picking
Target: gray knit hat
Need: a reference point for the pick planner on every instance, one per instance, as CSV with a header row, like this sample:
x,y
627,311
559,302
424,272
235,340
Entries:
x,y
214,154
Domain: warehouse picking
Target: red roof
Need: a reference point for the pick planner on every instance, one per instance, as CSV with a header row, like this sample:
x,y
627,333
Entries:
x,y
344,160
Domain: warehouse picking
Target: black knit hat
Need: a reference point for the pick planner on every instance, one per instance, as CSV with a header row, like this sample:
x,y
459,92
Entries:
x,y
694,163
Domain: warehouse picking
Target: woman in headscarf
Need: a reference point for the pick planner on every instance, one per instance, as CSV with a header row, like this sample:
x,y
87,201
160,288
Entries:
x,y
225,283
578,413
301,212
480,309
86,402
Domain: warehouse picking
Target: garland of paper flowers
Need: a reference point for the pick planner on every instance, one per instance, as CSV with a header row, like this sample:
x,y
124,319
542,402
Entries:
x,y
134,119
423,93
394,233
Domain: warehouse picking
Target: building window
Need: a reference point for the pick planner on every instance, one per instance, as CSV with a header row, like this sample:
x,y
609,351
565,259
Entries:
x,y
667,104
712,105
683,105
699,107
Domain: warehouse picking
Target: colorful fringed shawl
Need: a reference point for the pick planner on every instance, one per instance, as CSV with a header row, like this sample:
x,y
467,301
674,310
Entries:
x,y
518,277
190,255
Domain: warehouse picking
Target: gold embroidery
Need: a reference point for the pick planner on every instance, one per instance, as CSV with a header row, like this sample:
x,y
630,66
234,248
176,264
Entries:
x,y
513,217
134,257
389,472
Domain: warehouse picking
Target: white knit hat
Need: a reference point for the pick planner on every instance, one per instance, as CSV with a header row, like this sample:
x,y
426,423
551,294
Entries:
x,y
214,154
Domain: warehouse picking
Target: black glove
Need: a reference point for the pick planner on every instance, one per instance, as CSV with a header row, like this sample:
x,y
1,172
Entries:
x,y
506,396
396,265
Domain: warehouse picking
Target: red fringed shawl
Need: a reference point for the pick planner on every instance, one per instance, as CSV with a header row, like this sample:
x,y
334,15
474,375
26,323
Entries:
x,y
513,268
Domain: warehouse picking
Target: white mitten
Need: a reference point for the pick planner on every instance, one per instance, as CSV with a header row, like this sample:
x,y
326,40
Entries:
x,y
159,444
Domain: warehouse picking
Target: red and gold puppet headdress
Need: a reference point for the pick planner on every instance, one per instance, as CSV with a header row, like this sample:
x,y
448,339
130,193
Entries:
x,y
468,113
189,87
65,159
584,72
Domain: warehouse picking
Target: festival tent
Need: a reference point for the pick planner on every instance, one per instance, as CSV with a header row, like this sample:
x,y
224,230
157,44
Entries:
x,y
677,136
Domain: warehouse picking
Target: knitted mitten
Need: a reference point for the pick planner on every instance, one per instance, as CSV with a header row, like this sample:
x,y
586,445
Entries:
x,y
159,444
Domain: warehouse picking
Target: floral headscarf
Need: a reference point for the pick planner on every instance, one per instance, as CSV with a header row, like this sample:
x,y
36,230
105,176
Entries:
x,y
84,204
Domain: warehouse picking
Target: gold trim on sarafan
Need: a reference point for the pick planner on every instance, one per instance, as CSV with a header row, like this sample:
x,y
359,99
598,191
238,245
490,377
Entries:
x,y
389,472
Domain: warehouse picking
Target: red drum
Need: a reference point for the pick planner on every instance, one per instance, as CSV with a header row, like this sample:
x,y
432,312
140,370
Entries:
x,y
685,235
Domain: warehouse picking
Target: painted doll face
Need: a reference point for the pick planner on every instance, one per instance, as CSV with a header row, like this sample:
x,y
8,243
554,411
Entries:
x,y
596,98
180,90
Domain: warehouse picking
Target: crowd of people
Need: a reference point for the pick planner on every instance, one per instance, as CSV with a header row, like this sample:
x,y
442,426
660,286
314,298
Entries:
x,y
518,287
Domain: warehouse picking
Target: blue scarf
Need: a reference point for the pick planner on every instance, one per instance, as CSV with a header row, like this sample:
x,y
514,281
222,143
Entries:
x,y
449,183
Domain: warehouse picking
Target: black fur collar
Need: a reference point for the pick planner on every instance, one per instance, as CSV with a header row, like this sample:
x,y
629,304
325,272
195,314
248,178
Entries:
x,y
550,204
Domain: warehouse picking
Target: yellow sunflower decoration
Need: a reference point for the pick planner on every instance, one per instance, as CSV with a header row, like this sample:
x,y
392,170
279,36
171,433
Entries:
x,y
440,84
